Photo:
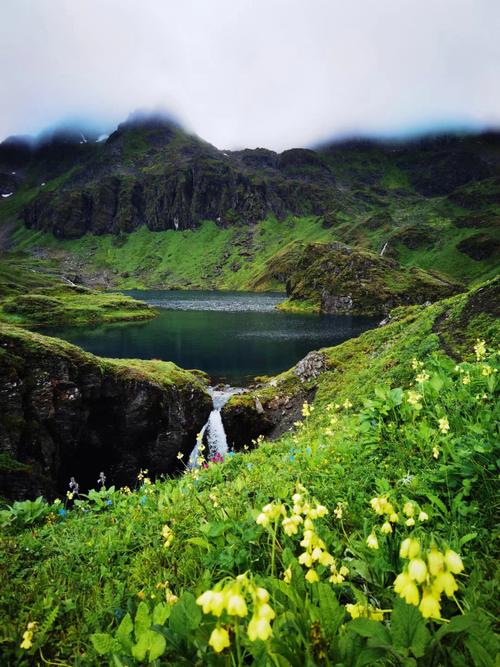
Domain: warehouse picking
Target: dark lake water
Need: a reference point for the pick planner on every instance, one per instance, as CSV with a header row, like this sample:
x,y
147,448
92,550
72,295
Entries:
x,y
232,336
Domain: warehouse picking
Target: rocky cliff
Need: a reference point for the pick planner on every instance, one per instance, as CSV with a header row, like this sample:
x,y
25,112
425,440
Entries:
x,y
151,172
65,412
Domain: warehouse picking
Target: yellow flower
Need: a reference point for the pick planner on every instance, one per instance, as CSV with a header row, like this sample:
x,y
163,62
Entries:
x,y
444,426
480,349
423,516
180,455
69,495
417,569
372,541
338,511
453,561
486,370
394,517
410,548
291,524
265,611
435,561
362,611
219,639
413,398
406,588
409,508
27,637
445,581
305,559
262,519
466,379
410,521
287,575
386,528
347,404
312,576
429,606
259,628
168,535
236,605
212,602
326,559
307,409
435,452
422,377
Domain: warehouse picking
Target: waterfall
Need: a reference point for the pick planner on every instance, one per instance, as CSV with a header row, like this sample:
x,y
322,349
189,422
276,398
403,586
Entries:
x,y
213,433
383,248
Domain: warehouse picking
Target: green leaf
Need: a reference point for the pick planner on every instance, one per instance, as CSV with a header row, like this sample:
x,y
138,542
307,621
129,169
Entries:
x,y
102,642
436,383
161,612
124,632
467,538
396,396
480,656
185,615
150,642
408,629
142,620
332,614
370,630
200,542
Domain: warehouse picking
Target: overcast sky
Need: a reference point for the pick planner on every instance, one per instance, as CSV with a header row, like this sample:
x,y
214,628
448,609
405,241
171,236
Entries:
x,y
275,73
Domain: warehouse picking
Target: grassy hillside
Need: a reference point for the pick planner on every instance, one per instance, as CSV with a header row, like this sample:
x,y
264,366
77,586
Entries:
x,y
32,294
364,537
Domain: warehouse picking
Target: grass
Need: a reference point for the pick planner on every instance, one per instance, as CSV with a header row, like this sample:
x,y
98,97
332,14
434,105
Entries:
x,y
98,580
31,294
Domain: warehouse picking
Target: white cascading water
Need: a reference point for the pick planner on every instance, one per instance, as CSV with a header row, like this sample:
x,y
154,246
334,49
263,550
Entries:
x,y
214,428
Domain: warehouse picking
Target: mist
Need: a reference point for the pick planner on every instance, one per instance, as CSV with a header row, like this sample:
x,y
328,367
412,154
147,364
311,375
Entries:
x,y
274,73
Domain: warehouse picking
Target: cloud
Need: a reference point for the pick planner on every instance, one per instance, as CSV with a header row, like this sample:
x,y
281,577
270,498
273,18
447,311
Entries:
x,y
275,73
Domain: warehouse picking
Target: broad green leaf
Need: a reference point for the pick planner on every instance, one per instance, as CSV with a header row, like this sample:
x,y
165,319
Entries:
x,y
408,629
332,614
142,620
124,632
200,542
185,615
161,612
396,396
102,642
467,538
370,630
150,643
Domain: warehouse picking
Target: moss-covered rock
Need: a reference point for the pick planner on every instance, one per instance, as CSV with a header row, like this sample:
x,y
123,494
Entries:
x,y
334,278
65,412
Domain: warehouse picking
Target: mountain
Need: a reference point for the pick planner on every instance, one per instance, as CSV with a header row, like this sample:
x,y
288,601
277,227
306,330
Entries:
x,y
431,203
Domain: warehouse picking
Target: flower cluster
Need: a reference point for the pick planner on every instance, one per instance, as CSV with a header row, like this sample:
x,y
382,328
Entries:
x,y
27,642
480,349
365,611
432,572
229,599
391,517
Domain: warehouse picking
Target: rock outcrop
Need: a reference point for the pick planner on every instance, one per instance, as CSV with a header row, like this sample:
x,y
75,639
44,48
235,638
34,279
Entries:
x,y
64,412
336,279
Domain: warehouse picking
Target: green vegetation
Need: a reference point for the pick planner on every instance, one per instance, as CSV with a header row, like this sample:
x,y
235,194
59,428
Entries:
x,y
332,278
164,373
31,295
365,537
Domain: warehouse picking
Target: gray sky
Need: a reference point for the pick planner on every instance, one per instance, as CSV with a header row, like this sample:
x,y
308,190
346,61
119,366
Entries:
x,y
275,73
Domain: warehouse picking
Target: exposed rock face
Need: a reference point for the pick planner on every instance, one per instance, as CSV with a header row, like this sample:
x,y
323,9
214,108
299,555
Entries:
x,y
150,172
248,416
64,412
